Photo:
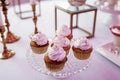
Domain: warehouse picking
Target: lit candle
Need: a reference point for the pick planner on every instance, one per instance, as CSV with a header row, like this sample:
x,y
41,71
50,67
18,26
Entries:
x,y
1,21
32,2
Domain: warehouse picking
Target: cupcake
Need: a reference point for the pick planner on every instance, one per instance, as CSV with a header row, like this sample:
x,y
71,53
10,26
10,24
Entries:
x,y
55,58
82,48
65,31
64,42
39,43
116,33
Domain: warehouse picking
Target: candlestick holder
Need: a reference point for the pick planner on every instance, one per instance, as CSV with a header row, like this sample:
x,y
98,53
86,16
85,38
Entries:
x,y
6,54
34,18
23,10
10,37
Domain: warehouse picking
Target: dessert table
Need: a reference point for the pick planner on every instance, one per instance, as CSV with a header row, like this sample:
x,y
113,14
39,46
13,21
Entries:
x,y
18,67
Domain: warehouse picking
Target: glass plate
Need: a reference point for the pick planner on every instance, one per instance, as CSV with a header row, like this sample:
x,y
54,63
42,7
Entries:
x,y
72,66
111,52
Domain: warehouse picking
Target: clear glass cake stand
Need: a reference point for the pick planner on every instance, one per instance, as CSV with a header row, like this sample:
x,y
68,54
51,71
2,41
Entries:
x,y
72,66
113,10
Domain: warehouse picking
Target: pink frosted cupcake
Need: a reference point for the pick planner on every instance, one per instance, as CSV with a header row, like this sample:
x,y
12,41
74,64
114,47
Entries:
x,y
82,48
64,42
55,58
39,43
65,31
116,33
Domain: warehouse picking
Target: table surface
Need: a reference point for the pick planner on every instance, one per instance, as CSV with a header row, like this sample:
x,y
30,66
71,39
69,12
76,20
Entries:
x,y
17,68
72,9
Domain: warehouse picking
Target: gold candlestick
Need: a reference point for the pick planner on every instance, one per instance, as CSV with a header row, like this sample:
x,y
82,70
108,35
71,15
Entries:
x,y
6,54
10,37
34,18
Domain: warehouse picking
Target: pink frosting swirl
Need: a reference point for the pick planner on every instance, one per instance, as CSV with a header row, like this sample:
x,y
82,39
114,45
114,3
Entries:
x,y
61,41
56,53
82,44
40,38
64,31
